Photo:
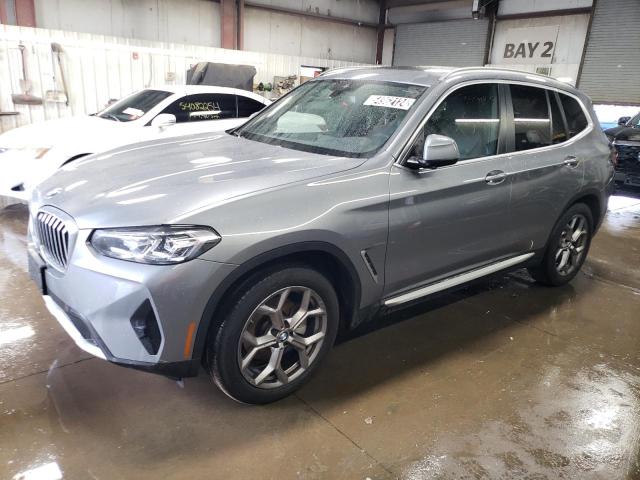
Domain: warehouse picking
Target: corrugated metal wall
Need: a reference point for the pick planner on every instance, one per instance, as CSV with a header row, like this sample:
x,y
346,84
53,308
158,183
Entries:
x,y
457,43
101,67
611,70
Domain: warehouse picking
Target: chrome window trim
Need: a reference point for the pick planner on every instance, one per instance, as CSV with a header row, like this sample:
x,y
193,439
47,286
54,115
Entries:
x,y
406,148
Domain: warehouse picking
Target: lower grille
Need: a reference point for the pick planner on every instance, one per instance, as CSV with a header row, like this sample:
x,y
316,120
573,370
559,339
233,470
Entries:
x,y
628,158
53,238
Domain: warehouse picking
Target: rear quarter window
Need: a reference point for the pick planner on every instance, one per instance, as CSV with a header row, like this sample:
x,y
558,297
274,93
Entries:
x,y
248,106
576,119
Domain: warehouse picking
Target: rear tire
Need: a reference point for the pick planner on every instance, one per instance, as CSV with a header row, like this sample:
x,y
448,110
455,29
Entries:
x,y
567,247
267,346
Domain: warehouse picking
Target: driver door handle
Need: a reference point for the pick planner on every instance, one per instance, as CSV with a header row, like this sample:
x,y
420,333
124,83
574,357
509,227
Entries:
x,y
495,177
570,161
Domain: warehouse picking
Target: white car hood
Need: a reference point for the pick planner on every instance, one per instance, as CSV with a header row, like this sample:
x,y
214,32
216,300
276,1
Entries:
x,y
87,131
65,138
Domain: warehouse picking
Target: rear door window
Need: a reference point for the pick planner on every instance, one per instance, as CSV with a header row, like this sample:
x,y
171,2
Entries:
x,y
203,106
576,119
532,122
248,106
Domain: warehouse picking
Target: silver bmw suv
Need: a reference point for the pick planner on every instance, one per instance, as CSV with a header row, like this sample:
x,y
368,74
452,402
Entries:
x,y
362,190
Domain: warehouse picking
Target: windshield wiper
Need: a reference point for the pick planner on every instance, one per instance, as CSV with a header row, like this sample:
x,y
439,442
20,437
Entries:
x,y
235,132
110,116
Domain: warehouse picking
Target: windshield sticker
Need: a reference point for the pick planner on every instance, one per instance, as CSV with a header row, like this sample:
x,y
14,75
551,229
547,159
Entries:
x,y
134,112
199,106
401,103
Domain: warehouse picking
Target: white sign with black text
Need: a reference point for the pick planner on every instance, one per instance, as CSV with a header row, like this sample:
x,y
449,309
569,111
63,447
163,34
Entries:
x,y
534,45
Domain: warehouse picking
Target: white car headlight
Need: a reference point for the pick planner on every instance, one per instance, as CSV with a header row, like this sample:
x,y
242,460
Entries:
x,y
161,245
26,153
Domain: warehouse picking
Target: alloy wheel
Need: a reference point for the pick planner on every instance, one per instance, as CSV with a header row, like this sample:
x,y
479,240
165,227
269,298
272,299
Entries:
x,y
282,337
571,245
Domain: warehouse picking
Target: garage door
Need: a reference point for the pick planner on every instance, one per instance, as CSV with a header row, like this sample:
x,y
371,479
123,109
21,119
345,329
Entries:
x,y
611,70
458,43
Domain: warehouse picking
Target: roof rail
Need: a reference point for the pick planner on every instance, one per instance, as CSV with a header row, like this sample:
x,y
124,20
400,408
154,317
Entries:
x,y
495,69
350,67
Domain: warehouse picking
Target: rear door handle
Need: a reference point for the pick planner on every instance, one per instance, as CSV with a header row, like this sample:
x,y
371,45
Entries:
x,y
570,161
495,177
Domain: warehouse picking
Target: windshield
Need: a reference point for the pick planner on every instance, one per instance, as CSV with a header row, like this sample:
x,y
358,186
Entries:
x,y
134,106
352,118
635,121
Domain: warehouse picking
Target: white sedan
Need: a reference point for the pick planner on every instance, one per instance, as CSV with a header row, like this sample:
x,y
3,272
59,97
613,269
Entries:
x,y
32,153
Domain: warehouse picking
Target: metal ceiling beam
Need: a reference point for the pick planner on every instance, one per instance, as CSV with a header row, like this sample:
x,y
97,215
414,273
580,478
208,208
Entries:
x,y
382,20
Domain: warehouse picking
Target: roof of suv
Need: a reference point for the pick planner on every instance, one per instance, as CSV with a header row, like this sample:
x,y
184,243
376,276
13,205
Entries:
x,y
430,75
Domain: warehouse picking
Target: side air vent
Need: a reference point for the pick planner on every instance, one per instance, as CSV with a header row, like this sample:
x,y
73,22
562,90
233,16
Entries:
x,y
370,266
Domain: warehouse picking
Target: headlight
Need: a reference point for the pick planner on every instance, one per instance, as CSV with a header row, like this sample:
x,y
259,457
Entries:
x,y
161,245
26,153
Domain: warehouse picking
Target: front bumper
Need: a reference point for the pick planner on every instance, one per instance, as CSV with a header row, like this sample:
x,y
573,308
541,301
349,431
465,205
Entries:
x,y
20,195
94,345
96,298
86,344
628,167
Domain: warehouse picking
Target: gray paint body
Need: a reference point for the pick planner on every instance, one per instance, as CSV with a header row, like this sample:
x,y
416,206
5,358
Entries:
x,y
416,226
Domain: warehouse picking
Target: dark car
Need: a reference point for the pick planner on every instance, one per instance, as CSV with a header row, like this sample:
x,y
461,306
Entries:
x,y
626,139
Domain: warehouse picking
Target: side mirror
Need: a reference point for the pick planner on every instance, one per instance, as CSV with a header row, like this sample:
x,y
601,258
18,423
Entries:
x,y
163,120
439,151
623,120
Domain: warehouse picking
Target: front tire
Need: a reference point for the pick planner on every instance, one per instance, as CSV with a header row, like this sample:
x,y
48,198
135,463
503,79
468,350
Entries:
x,y
279,327
567,247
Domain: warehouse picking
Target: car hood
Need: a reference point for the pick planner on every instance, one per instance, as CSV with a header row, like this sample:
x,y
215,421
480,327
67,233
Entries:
x,y
623,133
60,132
161,181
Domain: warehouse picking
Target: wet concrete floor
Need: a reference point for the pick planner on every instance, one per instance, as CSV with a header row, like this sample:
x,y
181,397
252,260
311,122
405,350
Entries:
x,y
505,379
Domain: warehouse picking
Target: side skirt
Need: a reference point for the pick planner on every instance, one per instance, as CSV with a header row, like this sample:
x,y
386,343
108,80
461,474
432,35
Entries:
x,y
456,280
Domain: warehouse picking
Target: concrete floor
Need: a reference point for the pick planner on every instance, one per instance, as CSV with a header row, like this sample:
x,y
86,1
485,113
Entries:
x,y
502,380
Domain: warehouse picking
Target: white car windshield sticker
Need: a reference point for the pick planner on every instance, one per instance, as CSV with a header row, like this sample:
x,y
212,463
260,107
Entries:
x,y
402,103
134,112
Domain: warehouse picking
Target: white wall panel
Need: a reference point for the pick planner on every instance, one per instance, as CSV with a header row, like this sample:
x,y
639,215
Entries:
x,y
197,22
293,35
569,44
99,68
516,7
362,10
180,21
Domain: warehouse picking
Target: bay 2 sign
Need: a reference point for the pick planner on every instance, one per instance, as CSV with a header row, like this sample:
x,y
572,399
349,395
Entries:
x,y
533,45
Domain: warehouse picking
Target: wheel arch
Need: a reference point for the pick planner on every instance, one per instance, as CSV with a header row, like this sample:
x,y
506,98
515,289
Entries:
x,y
596,203
327,258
